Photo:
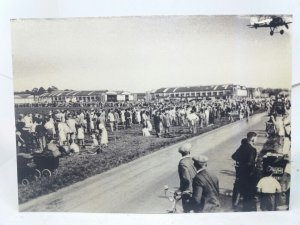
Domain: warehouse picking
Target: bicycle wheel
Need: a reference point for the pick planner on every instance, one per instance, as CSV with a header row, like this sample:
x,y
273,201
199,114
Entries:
x,y
25,182
37,174
46,173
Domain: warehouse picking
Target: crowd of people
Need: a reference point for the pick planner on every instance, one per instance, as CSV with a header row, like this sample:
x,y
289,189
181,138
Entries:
x,y
275,162
78,128
74,128
199,188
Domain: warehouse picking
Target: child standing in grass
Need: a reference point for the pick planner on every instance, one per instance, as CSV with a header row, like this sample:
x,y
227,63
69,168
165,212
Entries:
x,y
104,136
80,136
95,142
145,131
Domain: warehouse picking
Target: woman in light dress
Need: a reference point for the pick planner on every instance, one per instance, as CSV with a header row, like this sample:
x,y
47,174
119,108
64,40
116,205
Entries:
x,y
104,136
92,121
148,122
63,131
80,136
123,118
138,116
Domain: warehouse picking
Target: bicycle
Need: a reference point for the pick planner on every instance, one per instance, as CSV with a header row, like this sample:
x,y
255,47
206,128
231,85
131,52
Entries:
x,y
174,197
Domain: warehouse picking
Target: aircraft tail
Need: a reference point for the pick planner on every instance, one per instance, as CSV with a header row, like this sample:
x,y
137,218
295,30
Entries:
x,y
253,20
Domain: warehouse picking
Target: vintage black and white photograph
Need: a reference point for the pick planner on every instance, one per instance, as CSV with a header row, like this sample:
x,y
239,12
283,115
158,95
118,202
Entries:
x,y
153,114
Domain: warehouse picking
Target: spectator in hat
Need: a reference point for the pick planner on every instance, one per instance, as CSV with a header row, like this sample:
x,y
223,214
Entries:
x,y
206,112
192,120
111,120
93,119
71,122
117,119
40,132
267,188
127,118
63,131
166,121
157,122
187,172
205,196
24,130
28,121
123,120
49,126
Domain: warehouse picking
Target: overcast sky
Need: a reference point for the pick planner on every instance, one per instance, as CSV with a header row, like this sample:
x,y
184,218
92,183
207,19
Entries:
x,y
143,53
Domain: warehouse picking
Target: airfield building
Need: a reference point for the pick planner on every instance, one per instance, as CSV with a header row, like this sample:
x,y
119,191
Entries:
x,y
85,96
227,91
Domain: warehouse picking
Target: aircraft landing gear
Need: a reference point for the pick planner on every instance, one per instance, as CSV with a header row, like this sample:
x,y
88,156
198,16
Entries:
x,y
272,30
281,31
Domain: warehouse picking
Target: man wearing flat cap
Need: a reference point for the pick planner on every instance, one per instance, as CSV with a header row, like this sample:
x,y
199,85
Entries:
x,y
187,172
205,188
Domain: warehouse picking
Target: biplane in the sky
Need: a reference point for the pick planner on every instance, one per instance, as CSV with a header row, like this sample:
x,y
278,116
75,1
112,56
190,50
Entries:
x,y
273,22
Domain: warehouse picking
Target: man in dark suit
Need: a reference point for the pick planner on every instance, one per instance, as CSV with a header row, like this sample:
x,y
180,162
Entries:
x,y
245,157
205,188
157,121
127,118
187,172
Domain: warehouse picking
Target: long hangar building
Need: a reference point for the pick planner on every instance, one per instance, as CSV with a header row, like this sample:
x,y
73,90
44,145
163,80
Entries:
x,y
226,91
86,96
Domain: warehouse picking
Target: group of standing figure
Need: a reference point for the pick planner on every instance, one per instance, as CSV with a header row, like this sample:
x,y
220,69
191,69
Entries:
x,y
200,188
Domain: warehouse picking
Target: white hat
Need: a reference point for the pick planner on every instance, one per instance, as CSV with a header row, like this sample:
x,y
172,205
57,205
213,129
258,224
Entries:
x,y
185,148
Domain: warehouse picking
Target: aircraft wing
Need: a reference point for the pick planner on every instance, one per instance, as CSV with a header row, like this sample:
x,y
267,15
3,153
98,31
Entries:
x,y
258,25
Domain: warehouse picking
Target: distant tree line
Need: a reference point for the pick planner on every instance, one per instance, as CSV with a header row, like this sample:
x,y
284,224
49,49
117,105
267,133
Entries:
x,y
274,91
38,91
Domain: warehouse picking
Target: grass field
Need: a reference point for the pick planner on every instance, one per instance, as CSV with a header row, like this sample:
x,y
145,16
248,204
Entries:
x,y
124,146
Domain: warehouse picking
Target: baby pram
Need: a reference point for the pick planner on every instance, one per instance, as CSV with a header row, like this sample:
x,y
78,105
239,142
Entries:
x,y
277,162
46,162
27,170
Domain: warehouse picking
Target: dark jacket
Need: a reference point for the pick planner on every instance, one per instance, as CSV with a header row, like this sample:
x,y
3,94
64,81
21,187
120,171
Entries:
x,y
187,172
205,192
245,155
156,120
